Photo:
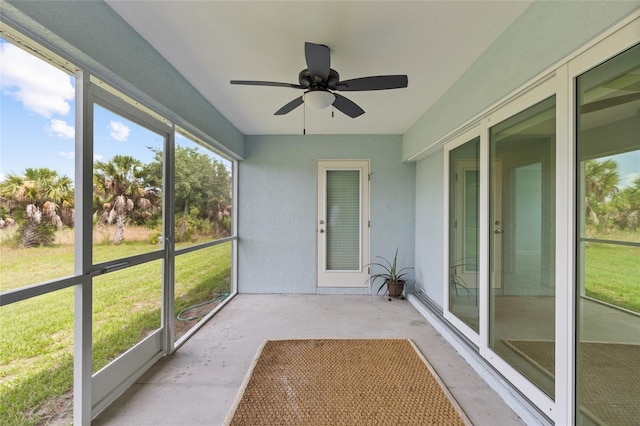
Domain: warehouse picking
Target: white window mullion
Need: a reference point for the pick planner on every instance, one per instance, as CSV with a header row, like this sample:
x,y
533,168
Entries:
x,y
168,280
483,260
82,395
565,280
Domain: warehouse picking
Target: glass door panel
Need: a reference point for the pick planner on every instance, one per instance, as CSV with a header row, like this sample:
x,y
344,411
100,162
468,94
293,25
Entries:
x,y
608,244
464,208
343,220
522,243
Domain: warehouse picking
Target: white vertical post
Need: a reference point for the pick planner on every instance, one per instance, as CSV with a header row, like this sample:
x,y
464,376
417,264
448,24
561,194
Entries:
x,y
234,227
82,345
565,249
484,283
168,286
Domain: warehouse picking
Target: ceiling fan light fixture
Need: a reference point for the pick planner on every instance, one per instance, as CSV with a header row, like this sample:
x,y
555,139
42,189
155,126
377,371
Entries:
x,y
319,99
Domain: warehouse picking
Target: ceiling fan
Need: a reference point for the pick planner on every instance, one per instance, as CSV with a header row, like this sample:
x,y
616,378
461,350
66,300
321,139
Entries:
x,y
320,82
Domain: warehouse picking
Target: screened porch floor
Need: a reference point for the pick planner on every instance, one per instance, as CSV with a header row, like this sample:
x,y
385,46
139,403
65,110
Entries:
x,y
199,382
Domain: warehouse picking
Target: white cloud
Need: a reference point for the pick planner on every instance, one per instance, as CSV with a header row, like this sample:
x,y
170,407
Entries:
x,y
119,131
630,179
61,129
97,157
40,87
69,154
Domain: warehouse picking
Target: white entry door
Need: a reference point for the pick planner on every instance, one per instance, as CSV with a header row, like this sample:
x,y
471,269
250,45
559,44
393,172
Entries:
x,y
343,223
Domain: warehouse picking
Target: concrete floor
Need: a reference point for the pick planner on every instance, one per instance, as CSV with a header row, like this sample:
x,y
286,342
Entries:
x,y
198,383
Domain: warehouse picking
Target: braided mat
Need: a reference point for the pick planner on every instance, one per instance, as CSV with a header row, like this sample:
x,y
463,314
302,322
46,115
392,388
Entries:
x,y
343,382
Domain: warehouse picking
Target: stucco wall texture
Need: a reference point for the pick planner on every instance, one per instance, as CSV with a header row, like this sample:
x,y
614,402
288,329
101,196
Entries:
x,y
277,206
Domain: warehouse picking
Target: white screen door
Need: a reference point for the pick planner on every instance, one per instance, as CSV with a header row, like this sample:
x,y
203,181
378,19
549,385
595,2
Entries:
x,y
343,223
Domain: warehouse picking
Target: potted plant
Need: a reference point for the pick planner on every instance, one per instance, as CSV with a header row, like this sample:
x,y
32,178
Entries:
x,y
391,276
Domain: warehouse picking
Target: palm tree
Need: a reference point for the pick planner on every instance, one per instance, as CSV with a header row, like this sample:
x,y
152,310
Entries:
x,y
41,192
601,183
36,200
626,205
120,191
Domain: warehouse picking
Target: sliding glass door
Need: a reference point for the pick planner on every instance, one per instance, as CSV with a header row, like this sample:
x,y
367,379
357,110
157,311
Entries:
x,y
501,269
522,242
608,242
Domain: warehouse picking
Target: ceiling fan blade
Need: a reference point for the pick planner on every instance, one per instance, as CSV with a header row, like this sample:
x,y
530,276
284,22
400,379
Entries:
x,y
318,59
347,106
609,102
266,83
290,106
380,82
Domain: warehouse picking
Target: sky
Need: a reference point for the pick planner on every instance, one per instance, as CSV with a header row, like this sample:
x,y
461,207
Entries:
x,y
37,128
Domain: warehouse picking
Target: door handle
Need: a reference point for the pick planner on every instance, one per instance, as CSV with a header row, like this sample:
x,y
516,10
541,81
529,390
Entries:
x,y
322,231
498,231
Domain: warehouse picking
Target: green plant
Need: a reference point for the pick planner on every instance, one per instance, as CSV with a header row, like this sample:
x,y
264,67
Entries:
x,y
390,273
35,234
455,281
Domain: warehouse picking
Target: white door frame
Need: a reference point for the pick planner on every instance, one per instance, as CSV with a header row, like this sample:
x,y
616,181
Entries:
x,y
339,278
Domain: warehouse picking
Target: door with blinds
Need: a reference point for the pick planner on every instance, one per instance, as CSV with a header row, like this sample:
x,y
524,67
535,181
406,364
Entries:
x,y
343,223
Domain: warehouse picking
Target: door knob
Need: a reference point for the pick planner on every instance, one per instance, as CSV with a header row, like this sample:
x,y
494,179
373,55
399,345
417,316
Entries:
x,y
322,231
322,222
498,231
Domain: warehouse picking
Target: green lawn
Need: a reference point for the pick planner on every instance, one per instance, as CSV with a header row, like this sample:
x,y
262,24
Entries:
x,y
613,274
36,338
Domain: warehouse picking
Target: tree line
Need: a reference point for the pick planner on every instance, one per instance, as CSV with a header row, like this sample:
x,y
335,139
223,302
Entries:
x,y
125,191
608,207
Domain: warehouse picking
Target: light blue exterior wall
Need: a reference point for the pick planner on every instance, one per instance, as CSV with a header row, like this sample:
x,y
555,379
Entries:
x,y
91,34
431,229
277,206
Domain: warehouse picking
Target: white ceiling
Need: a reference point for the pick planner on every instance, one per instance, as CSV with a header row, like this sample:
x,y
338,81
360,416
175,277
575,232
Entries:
x,y
212,42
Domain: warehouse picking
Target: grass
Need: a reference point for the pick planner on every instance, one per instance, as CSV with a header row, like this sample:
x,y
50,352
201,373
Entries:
x,y
36,338
613,274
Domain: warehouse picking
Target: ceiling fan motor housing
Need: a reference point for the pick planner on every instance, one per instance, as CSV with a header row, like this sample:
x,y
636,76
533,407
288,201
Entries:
x,y
315,82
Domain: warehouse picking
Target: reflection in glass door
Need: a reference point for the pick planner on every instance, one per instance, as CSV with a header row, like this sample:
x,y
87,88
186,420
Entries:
x,y
464,194
522,243
608,242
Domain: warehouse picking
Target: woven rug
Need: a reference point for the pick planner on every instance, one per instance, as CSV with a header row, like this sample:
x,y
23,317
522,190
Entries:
x,y
609,376
343,382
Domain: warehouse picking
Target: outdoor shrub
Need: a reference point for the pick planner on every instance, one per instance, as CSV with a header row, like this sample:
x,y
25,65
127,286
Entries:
x,y
33,234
